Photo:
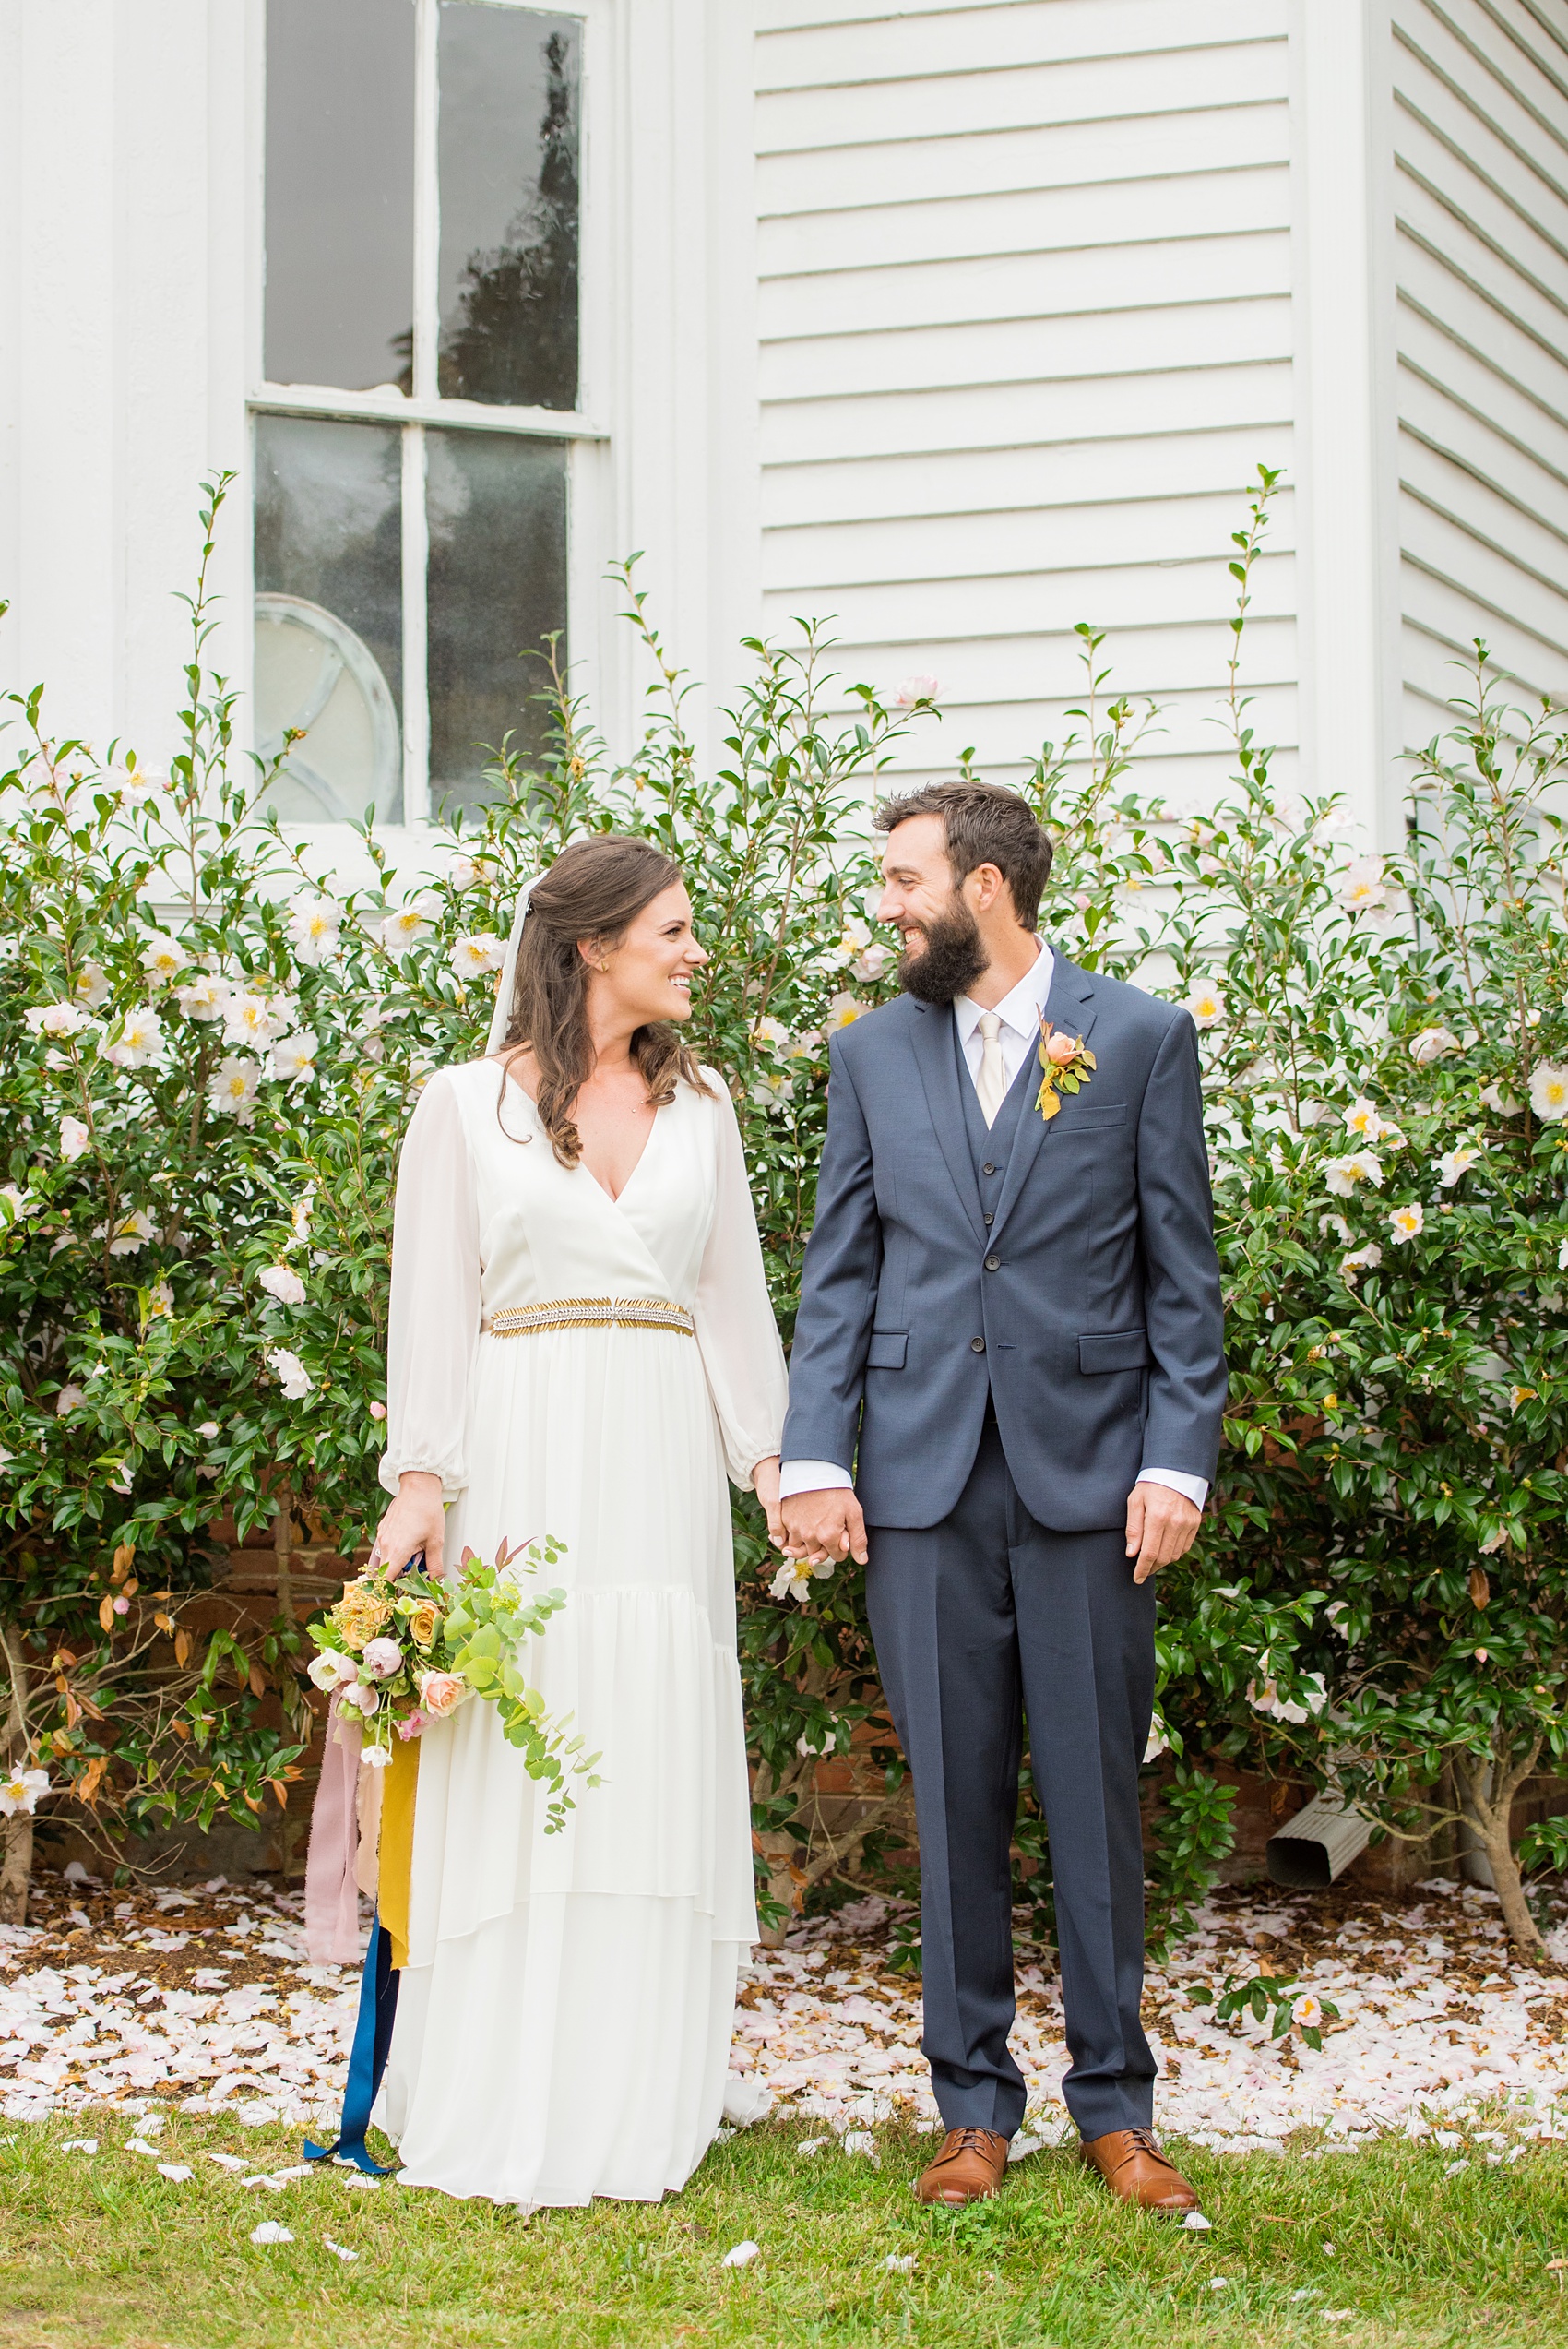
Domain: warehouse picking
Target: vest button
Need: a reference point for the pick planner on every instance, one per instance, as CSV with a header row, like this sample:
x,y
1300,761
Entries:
x,y
988,1168
989,1220
993,1264
977,1345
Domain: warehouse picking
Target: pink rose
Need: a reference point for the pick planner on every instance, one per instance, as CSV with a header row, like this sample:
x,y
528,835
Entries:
x,y
381,1659
411,1725
1061,1049
440,1693
364,1699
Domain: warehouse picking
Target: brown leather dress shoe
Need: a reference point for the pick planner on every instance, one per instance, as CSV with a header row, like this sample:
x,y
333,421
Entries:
x,y
970,2165
1134,2167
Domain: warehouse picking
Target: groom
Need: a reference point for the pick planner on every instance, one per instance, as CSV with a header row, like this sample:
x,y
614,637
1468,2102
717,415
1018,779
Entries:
x,y
1005,1394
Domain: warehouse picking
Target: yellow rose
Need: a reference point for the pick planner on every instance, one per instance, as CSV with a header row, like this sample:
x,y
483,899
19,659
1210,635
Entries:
x,y
362,1611
424,1620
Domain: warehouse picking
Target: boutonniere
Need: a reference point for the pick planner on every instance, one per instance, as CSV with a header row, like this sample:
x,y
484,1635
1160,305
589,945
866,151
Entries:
x,y
1068,1064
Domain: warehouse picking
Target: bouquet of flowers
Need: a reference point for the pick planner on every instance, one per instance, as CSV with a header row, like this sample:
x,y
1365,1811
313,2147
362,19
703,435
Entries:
x,y
400,1649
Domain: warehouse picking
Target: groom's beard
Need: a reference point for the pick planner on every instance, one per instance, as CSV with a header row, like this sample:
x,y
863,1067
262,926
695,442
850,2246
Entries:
x,y
951,960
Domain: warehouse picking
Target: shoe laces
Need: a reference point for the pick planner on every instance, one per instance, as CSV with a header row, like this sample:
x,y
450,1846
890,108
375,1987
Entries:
x,y
969,2141
1144,2139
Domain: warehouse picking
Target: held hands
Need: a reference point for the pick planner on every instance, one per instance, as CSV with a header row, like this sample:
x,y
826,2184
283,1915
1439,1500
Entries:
x,y
823,1526
765,1476
416,1520
1162,1525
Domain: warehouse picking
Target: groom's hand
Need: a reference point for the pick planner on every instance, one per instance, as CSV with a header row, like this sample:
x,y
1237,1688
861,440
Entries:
x,y
823,1526
1162,1525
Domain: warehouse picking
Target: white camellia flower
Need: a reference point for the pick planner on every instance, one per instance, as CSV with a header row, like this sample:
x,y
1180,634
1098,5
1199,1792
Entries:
x,y
1157,1742
773,1089
1342,1175
771,1033
164,958
231,1088
806,1047
1407,1223
843,1011
873,961
75,1138
281,1281
1363,886
398,930
1455,1162
206,997
91,986
136,1037
131,1233
1563,1255
1362,1118
291,1374
161,1299
1205,1003
300,1213
465,873
56,1019
924,687
315,925
1360,1260
1432,1043
20,1793
294,1059
68,1400
472,955
247,1019
1548,1091
1493,1097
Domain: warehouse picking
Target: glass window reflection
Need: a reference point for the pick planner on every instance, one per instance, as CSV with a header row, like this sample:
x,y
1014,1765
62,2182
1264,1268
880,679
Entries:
x,y
496,504
329,616
340,192
508,139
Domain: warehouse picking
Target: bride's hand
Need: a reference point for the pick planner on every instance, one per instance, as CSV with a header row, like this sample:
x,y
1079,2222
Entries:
x,y
765,1476
416,1520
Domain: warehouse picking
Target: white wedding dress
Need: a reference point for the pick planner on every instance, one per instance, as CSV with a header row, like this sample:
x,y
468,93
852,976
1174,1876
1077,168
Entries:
x,y
564,2020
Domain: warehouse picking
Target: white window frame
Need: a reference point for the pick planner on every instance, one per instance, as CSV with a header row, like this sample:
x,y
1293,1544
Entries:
x,y
414,413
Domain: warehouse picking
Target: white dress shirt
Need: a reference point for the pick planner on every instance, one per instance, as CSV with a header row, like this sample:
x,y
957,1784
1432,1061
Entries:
x,y
1019,1012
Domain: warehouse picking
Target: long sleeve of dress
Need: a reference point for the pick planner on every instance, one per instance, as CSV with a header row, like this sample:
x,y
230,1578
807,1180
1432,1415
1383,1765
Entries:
x,y
434,1323
736,1330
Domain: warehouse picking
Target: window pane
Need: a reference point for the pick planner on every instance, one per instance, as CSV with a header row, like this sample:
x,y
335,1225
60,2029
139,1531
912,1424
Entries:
x,y
497,509
340,192
508,161
329,616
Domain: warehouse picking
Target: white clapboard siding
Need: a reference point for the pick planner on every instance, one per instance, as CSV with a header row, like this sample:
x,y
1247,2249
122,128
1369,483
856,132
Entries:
x,y
1481,259
1025,337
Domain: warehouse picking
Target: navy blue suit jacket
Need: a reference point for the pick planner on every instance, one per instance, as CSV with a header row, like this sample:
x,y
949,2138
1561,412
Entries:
x,y
1095,1292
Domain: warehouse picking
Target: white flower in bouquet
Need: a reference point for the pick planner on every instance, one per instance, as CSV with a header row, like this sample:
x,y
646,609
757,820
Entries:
x,y
1205,1003
291,1374
136,1037
398,930
1548,1091
1342,1175
381,1659
91,986
315,925
206,997
375,1758
20,1793
1455,1162
281,1281
130,1235
477,953
1407,1223
1432,1043
164,958
56,1019
231,1088
331,1670
293,1059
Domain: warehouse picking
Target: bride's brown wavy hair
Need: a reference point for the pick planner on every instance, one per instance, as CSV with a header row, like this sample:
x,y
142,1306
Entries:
x,y
591,895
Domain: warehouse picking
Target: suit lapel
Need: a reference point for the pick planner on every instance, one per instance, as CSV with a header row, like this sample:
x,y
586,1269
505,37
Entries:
x,y
1070,1006
932,1038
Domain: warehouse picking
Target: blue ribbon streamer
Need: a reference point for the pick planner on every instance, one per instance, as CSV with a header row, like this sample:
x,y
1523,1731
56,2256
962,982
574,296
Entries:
x,y
367,2057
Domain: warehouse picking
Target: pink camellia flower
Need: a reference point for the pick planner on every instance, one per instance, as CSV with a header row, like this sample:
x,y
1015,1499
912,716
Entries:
x,y
122,1606
378,1410
1061,1049
381,1659
440,1693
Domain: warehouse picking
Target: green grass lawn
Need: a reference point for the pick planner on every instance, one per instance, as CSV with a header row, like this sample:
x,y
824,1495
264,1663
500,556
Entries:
x,y
100,2252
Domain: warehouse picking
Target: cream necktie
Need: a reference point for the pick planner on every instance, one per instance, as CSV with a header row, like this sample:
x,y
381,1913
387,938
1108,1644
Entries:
x,y
991,1085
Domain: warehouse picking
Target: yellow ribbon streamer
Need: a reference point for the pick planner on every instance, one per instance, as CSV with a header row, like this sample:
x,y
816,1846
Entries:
x,y
399,1781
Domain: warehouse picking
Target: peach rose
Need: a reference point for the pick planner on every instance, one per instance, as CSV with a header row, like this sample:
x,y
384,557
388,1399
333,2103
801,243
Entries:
x,y
423,1623
362,1611
1061,1049
440,1693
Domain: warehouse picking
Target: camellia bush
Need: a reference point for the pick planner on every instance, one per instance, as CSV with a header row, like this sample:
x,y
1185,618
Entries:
x,y
211,1048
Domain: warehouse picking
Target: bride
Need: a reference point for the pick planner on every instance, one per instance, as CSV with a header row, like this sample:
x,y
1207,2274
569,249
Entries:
x,y
581,1344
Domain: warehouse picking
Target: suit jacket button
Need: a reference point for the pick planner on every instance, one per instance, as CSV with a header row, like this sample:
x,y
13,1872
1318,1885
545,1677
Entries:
x,y
993,1264
977,1345
988,1168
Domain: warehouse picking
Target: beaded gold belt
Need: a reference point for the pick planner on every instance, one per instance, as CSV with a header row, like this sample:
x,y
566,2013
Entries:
x,y
590,1313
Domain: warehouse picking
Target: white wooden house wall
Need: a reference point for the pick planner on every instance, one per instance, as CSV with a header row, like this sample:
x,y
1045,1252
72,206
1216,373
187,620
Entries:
x,y
1025,307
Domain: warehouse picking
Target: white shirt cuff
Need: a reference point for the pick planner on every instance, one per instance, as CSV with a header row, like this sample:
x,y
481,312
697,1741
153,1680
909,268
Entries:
x,y
1193,1488
811,1476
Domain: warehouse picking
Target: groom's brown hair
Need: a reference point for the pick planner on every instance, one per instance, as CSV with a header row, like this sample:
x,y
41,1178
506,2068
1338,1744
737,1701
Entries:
x,y
985,824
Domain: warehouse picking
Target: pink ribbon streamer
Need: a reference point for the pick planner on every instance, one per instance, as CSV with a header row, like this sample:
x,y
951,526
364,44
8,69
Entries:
x,y
332,1900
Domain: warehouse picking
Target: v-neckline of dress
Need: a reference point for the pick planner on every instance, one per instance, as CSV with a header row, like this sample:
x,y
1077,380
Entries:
x,y
582,1167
